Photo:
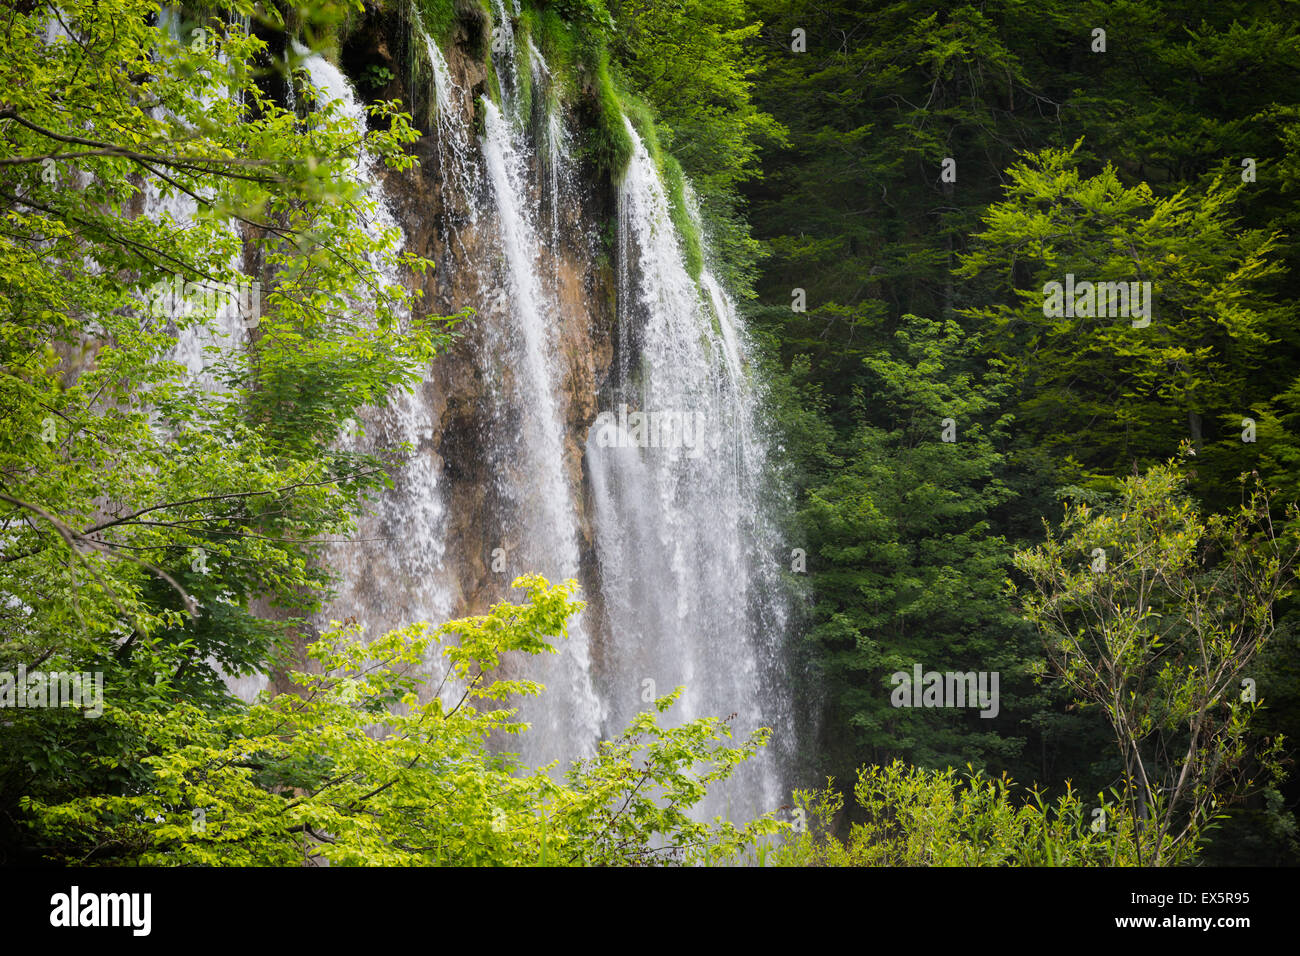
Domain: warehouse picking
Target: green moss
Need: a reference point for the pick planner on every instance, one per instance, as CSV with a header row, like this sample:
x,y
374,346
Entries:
x,y
554,38
575,52
439,18
611,145
566,49
493,83
643,121
527,25
673,179
688,230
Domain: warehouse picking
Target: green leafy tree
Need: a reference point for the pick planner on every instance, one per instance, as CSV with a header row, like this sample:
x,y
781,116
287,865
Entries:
x,y
859,210
376,765
691,60
155,525
1102,389
917,817
863,223
1154,614
901,557
857,214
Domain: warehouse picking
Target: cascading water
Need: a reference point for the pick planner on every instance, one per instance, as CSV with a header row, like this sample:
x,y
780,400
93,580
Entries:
x,y
403,579
683,561
457,166
685,553
532,474
555,152
669,543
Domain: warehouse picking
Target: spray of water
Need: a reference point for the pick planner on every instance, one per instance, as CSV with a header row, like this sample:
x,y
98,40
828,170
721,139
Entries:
x,y
687,557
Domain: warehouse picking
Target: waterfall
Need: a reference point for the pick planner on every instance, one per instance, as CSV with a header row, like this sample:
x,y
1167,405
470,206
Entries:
x,y
503,49
681,561
457,165
685,554
554,136
394,573
670,543
567,718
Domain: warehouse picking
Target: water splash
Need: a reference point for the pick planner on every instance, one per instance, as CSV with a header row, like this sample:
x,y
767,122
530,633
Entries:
x,y
404,579
687,557
569,715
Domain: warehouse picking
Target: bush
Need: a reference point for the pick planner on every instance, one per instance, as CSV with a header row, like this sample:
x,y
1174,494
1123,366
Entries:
x,y
918,817
357,771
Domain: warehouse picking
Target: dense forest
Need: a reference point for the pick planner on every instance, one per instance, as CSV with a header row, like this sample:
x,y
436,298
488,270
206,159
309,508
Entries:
x,y
992,557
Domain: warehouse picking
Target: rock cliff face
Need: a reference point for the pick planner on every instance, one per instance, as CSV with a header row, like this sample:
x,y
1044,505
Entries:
x,y
582,306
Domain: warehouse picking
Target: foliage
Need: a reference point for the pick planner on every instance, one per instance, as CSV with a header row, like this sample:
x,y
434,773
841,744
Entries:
x,y
373,765
901,559
1130,164
162,508
694,62
1155,614
691,61
439,18
154,519
1104,391
917,817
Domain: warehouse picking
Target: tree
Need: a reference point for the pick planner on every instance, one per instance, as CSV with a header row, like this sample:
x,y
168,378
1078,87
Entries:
x,y
859,218
1109,379
691,60
901,557
1155,614
916,817
374,765
859,211
157,519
